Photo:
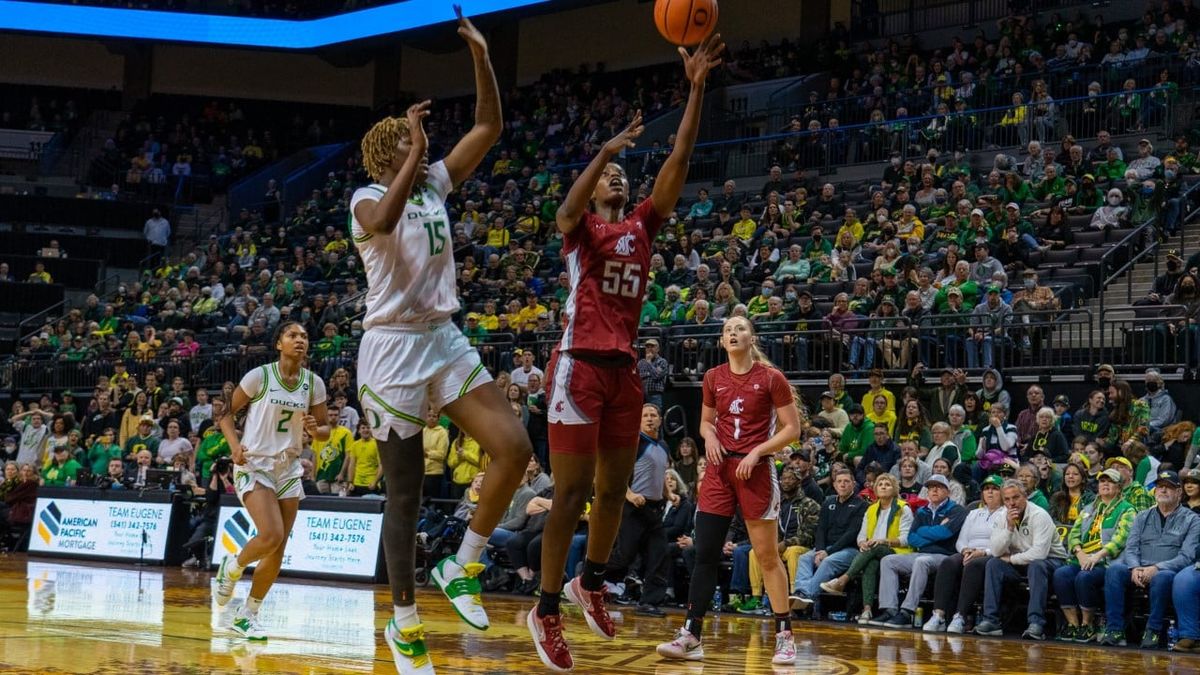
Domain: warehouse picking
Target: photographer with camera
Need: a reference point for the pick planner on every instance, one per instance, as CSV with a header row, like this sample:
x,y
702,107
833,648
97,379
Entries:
x,y
204,524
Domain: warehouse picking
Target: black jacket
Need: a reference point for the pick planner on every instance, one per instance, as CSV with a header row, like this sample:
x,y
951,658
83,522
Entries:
x,y
678,521
837,528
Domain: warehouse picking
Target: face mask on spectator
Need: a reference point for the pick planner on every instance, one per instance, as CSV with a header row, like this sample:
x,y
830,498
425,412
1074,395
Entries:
x,y
767,291
791,295
1030,284
1151,387
1170,174
1114,200
1147,190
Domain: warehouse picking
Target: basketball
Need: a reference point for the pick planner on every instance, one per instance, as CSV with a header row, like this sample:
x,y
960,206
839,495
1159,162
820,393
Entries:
x,y
685,22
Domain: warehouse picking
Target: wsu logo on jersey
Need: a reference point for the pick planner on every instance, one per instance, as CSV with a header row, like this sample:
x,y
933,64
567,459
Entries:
x,y
625,244
735,408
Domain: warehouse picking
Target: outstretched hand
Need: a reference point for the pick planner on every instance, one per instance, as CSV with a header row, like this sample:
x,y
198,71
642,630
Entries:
x,y
467,31
628,135
706,57
416,115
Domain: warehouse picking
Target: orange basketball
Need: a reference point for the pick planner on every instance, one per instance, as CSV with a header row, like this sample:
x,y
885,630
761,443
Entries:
x,y
685,22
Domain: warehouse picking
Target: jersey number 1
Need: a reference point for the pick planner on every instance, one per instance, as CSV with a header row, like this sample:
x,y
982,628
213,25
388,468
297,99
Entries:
x,y
437,236
622,278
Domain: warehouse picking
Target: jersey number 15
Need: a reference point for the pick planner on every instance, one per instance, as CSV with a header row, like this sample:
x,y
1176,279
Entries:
x,y
622,278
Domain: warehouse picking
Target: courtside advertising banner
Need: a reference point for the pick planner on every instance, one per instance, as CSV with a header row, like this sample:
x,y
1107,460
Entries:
x,y
103,529
323,542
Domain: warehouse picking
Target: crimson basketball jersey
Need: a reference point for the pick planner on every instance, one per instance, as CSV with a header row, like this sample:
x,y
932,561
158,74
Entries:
x,y
745,404
607,265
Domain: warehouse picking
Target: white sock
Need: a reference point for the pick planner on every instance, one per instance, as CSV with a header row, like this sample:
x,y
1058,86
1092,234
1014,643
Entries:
x,y
471,548
406,617
251,606
234,570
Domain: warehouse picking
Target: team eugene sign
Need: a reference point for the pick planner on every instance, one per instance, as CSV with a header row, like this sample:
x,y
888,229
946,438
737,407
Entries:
x,y
103,529
336,543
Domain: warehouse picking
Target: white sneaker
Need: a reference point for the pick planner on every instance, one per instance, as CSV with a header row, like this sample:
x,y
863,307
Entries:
x,y
461,586
226,582
865,618
935,624
248,627
957,625
799,603
408,649
785,649
685,647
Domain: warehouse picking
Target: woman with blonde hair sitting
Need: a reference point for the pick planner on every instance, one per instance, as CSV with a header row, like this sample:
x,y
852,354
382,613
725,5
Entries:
x,y
884,531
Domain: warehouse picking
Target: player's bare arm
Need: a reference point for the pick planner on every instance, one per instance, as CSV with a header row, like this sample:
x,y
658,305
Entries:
x,y
319,432
381,217
673,173
489,122
572,208
229,428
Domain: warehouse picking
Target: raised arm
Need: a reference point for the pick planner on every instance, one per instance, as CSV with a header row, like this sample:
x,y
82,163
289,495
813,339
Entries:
x,y
381,217
470,151
673,173
571,210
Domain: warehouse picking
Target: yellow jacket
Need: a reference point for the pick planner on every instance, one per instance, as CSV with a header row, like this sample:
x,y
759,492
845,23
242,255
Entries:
x,y
466,460
437,443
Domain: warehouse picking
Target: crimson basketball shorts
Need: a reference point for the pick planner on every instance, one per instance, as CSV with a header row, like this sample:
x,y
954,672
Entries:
x,y
722,492
592,407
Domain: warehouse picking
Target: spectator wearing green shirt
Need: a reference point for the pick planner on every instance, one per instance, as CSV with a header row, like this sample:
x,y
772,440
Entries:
x,y
212,447
143,440
473,331
1052,185
102,451
1113,168
857,435
62,469
818,246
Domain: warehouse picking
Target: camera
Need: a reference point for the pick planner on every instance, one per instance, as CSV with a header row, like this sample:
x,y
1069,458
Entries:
x,y
222,466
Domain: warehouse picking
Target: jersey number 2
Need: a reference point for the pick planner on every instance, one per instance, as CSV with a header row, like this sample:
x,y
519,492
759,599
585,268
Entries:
x,y
437,236
284,418
622,278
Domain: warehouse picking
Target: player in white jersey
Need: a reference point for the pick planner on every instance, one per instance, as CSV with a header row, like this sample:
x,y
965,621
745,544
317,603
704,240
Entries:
x,y
285,400
412,357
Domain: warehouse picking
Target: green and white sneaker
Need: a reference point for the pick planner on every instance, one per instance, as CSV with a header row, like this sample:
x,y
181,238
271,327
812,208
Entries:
x,y
462,588
247,627
408,649
225,583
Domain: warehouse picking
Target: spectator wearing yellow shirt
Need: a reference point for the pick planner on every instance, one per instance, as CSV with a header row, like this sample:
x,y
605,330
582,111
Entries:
x,y
909,224
436,440
503,165
529,223
529,313
39,274
331,454
745,228
148,346
497,237
880,415
875,380
851,224
362,462
514,315
339,244
465,459
489,319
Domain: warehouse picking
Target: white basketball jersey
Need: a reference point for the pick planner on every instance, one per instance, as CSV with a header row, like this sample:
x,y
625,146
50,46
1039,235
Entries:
x,y
275,419
410,273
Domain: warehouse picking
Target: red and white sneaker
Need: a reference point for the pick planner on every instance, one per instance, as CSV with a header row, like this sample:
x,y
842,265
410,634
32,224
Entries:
x,y
785,649
548,638
593,605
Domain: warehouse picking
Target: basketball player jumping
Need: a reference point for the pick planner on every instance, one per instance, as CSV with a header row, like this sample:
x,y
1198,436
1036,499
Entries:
x,y
412,356
595,394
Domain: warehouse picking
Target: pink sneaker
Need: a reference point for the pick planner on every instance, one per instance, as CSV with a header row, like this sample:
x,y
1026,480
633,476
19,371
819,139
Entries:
x,y
785,649
594,610
548,638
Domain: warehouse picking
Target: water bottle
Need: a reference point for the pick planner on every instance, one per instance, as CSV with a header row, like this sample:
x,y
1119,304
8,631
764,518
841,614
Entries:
x,y
1172,634
716,601
919,617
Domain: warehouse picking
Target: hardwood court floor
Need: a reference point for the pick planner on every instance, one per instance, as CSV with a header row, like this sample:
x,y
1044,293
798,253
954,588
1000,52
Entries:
x,y
58,616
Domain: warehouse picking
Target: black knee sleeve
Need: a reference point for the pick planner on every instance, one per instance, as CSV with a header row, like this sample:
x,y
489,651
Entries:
x,y
710,539
403,462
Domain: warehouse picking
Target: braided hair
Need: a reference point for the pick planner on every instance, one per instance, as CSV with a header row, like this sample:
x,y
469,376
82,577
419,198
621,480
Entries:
x,y
379,144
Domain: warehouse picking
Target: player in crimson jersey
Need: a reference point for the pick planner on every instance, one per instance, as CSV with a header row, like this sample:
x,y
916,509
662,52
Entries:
x,y
749,414
595,394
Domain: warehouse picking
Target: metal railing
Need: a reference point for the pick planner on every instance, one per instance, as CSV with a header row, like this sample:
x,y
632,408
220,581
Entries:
x,y
36,320
1136,337
885,18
